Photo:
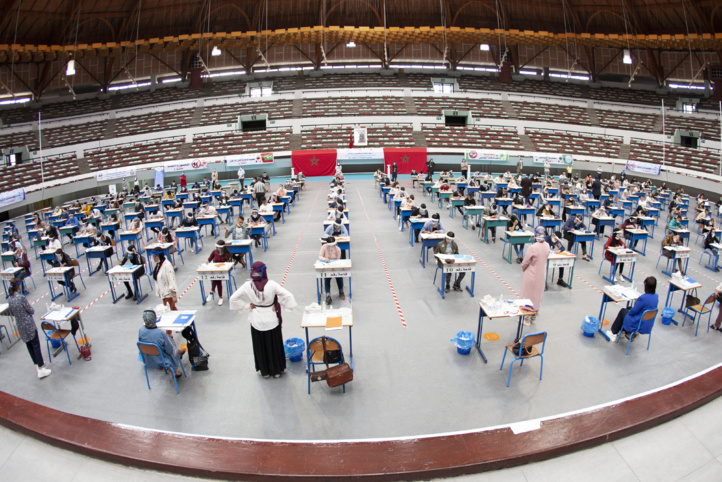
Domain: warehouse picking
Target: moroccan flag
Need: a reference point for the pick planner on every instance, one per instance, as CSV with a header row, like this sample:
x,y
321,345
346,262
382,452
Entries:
x,y
320,162
407,158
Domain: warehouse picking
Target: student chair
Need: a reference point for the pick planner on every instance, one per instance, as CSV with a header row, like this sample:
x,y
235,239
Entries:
x,y
700,310
152,349
712,260
147,274
646,323
74,262
528,348
6,337
53,333
314,354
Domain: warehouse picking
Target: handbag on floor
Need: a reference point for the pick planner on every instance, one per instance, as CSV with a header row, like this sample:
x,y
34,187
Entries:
x,y
339,374
692,299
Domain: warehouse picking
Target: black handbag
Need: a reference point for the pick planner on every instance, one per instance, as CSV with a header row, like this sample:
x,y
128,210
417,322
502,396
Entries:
x,y
692,299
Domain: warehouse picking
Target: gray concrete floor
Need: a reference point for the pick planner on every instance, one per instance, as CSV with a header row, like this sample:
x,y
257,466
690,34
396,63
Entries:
x,y
409,380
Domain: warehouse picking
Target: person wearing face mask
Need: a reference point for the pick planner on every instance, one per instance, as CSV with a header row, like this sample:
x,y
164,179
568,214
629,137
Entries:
x,y
330,251
255,218
23,312
627,319
237,232
336,229
433,225
448,246
575,223
263,299
132,257
555,244
166,236
102,239
514,224
63,260
615,241
672,240
190,222
534,268
21,261
218,255
210,211
164,275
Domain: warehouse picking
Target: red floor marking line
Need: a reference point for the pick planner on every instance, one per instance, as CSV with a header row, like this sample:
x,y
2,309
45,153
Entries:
x,y
46,294
98,298
187,289
703,274
383,262
489,268
298,242
588,284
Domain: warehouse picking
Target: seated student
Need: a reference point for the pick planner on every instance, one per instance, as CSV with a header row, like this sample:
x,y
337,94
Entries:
x,y
156,216
238,231
555,243
336,229
218,255
132,258
458,195
189,222
20,260
433,225
449,246
149,333
209,211
627,320
703,217
167,236
330,251
615,241
514,224
138,209
419,212
546,211
334,214
135,225
255,219
54,242
266,208
672,239
63,260
599,213
72,221
102,239
501,193
676,222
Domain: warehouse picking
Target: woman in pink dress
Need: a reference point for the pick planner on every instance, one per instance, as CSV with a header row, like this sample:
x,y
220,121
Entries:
x,y
534,267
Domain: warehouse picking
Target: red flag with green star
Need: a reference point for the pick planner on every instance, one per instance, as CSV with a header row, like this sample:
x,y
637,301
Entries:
x,y
407,158
321,162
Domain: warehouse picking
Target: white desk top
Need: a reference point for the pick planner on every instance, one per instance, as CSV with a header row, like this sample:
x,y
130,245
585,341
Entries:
x,y
620,293
334,264
318,319
168,320
214,267
457,258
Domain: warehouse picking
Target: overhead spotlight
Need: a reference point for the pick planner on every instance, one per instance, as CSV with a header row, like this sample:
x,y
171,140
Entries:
x,y
627,57
216,52
70,69
484,47
351,44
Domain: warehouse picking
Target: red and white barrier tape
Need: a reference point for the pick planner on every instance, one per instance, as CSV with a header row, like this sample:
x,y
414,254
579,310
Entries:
x,y
187,289
383,263
490,268
298,242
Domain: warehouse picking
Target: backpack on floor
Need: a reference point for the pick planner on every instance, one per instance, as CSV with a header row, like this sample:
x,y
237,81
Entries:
x,y
196,354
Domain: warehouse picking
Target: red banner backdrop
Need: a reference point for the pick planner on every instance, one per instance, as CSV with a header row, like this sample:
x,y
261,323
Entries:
x,y
320,162
407,158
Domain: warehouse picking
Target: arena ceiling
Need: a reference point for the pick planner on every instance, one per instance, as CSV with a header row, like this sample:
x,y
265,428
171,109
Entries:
x,y
52,30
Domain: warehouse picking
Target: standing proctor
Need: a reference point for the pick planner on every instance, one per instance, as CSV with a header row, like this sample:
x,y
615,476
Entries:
x,y
241,178
23,313
534,267
264,300
183,182
394,171
430,166
519,167
526,188
164,275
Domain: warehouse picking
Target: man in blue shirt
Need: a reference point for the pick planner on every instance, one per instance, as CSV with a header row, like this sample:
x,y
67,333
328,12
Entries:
x,y
628,320
72,221
433,225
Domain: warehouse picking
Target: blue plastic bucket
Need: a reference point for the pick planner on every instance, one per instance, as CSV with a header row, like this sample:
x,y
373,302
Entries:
x,y
667,315
54,343
294,349
590,326
463,351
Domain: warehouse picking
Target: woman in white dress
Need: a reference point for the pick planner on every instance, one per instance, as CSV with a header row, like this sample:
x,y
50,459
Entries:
x,y
264,299
164,276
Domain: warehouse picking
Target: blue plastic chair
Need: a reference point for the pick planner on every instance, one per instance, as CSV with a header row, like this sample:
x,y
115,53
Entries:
x,y
52,333
527,342
646,323
151,349
700,310
314,355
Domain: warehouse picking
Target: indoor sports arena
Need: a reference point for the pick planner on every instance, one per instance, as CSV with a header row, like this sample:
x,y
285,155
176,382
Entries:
x,y
531,290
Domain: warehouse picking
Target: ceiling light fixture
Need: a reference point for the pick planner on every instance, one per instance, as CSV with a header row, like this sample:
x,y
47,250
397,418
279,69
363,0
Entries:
x,y
484,47
216,52
70,69
351,44
627,57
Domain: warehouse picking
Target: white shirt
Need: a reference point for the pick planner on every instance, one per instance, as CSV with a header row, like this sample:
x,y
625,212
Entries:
x,y
55,244
165,284
265,209
262,318
241,173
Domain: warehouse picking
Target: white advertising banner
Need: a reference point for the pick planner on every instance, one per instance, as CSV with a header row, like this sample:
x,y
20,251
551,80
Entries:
x,y
486,156
646,167
11,197
245,159
553,158
186,165
371,153
115,174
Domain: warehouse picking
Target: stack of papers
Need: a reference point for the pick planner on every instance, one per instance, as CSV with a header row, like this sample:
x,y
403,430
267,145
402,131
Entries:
x,y
620,291
58,315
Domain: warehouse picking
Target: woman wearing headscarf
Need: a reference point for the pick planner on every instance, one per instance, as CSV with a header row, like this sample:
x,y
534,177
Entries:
x,y
218,255
164,275
237,232
133,258
264,300
23,313
534,267
149,333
